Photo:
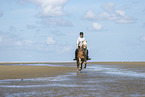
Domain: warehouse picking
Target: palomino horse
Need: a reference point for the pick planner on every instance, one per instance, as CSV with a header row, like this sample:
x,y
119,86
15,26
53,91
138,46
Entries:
x,y
82,56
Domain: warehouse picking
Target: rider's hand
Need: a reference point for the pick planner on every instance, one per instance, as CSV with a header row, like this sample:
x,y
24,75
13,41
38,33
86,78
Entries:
x,y
77,47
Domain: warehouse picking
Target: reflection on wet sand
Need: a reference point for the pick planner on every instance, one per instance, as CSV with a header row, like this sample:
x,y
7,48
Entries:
x,y
81,73
95,81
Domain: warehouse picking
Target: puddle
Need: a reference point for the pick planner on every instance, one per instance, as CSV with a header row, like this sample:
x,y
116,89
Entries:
x,y
115,70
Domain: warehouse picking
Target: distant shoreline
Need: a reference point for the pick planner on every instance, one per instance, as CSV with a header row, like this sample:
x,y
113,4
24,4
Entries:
x,y
117,62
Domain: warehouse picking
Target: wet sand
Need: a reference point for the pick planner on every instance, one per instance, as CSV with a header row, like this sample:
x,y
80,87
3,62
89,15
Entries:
x,y
97,80
22,72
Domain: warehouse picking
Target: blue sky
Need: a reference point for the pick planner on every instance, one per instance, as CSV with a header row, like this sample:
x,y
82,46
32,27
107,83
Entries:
x,y
47,30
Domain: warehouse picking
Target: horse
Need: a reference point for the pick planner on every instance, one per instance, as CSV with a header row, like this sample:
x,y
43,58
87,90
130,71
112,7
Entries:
x,y
82,56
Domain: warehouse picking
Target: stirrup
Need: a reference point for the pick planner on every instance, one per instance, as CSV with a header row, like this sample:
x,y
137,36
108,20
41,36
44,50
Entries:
x,y
88,58
75,59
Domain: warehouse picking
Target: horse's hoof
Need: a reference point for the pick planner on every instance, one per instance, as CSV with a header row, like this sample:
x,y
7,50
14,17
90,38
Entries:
x,y
85,67
80,69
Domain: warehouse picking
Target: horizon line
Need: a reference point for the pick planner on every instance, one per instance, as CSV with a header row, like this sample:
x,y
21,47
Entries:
x,y
51,62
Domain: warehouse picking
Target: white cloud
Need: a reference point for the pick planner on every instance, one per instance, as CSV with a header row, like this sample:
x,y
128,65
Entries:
x,y
111,14
50,40
21,2
50,7
50,12
103,16
25,43
9,40
28,42
90,15
120,13
95,27
6,39
18,43
124,21
56,22
109,6
24,2
45,44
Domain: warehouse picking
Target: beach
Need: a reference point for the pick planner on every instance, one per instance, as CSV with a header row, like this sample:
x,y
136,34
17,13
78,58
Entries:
x,y
99,79
22,72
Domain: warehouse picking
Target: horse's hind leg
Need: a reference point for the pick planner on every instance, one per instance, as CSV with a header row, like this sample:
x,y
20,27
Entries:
x,y
82,64
85,64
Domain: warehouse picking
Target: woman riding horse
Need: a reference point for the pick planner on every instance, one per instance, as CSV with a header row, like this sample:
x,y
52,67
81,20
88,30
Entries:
x,y
79,44
81,53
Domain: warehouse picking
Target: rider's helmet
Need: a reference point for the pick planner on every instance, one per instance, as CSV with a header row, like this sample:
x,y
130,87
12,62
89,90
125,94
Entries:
x,y
81,33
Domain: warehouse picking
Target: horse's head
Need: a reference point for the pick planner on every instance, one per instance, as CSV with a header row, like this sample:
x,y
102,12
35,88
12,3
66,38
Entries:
x,y
84,45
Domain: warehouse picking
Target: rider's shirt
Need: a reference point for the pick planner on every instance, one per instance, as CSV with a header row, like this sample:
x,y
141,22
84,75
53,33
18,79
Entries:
x,y
80,41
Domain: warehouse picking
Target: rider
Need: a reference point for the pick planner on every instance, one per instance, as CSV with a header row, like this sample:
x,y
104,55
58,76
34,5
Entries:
x,y
79,44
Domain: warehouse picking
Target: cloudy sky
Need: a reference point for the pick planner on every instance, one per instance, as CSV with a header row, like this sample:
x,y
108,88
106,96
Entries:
x,y
47,30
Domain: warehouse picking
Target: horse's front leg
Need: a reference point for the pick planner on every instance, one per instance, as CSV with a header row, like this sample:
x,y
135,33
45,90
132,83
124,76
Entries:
x,y
85,63
85,59
79,63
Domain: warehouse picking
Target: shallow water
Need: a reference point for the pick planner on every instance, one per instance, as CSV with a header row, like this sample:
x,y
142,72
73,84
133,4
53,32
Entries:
x,y
95,81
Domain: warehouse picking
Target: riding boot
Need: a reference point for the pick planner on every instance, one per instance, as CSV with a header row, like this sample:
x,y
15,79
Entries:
x,y
88,56
76,54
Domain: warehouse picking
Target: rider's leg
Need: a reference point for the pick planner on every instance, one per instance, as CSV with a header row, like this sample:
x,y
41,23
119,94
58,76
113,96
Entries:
x,y
76,53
